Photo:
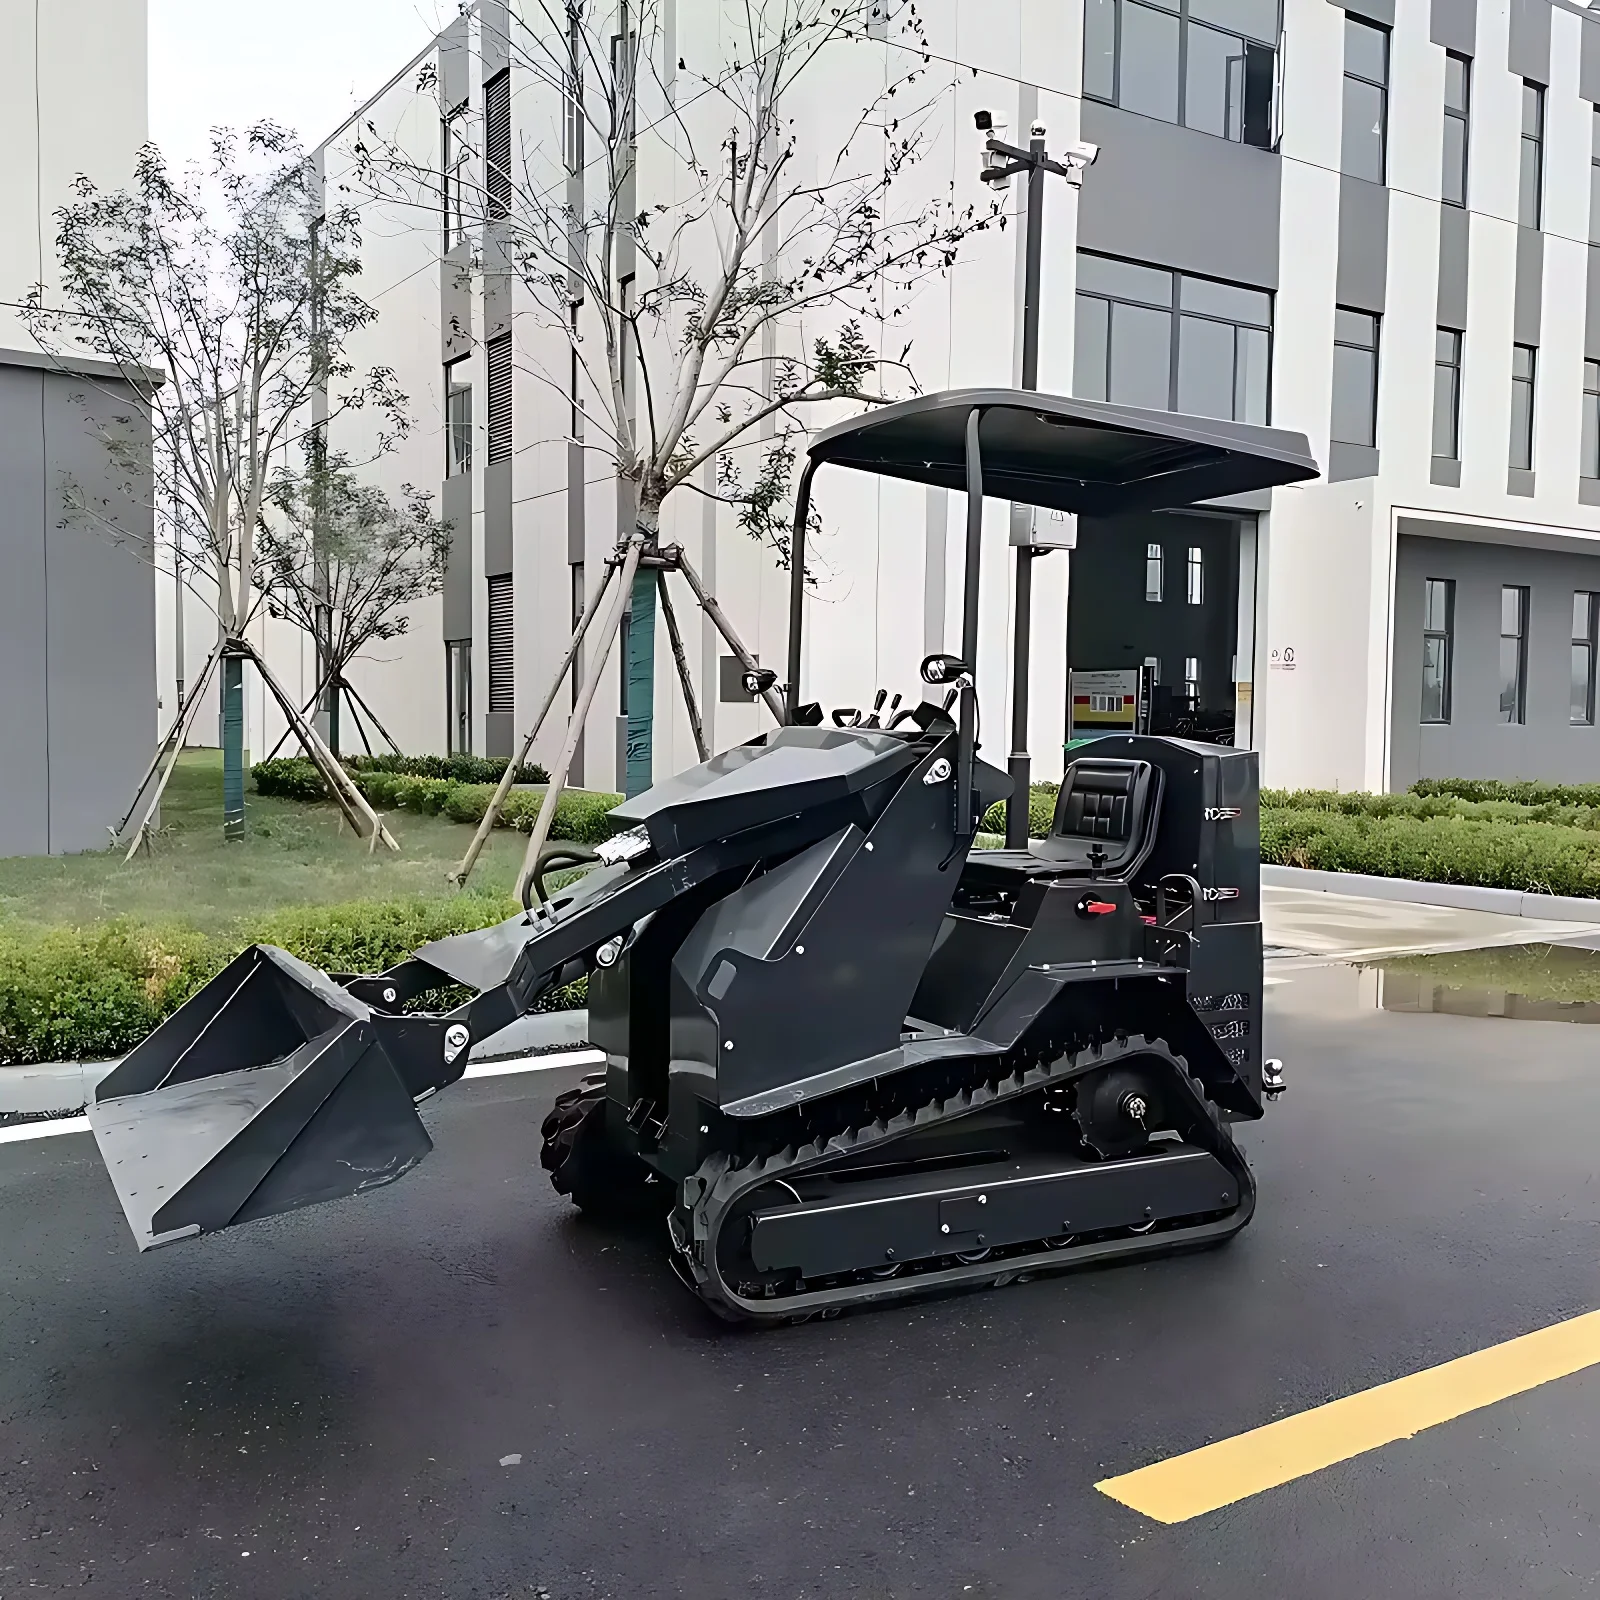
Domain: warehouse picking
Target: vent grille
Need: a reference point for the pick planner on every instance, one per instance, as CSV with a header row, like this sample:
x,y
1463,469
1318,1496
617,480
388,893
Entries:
x,y
502,653
497,144
499,423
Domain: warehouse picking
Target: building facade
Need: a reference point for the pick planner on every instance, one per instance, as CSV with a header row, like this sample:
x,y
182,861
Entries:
x,y
1377,223
78,711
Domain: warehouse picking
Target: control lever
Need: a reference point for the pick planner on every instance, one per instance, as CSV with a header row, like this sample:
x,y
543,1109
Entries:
x,y
888,716
847,717
950,699
871,721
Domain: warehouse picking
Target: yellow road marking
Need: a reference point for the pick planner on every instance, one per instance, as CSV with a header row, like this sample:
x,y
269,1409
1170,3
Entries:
x,y
1233,1469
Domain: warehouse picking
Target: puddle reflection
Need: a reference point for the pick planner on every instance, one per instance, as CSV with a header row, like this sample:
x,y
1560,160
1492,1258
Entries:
x,y
1521,983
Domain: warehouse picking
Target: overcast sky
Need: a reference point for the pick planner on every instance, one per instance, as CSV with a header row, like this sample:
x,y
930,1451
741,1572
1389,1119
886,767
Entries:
x,y
304,63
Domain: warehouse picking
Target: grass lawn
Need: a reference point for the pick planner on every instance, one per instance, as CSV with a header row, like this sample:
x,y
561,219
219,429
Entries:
x,y
293,855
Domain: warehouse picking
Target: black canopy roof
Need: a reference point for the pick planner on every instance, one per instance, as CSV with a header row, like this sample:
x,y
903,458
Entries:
x,y
1069,455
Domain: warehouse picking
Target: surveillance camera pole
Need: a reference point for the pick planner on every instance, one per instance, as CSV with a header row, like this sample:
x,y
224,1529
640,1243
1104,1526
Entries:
x,y
1036,163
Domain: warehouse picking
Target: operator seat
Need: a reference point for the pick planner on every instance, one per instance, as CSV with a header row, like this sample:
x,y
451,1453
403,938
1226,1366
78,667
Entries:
x,y
1105,817
1105,827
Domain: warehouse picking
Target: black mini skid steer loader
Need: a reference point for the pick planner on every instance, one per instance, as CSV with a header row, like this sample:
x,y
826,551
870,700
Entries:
x,y
851,1058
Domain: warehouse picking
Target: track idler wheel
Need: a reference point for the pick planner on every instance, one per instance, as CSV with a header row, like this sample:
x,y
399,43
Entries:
x,y
585,1159
1119,1108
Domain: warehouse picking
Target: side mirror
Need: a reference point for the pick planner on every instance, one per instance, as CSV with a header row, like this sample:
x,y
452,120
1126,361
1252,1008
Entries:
x,y
945,669
759,680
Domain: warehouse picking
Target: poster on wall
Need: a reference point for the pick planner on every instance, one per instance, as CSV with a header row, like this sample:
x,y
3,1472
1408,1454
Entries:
x,y
1104,702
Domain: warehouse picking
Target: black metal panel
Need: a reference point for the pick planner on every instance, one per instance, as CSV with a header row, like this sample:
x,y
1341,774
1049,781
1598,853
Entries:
x,y
815,966
908,1219
788,770
1082,456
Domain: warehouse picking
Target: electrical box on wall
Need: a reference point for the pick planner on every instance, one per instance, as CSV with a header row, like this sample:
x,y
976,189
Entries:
x,y
1043,530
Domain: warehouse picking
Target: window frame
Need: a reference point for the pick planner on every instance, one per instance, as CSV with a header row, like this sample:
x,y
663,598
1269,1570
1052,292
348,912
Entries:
x,y
454,155
1446,638
1594,176
457,463
1588,642
1463,115
458,696
1155,563
1452,366
1182,12
1374,351
1348,77
1530,210
1518,712
1521,444
1178,310
1194,576
1589,437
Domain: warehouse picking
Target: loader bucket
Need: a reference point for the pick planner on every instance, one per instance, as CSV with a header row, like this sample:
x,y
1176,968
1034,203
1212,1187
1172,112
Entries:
x,y
268,1090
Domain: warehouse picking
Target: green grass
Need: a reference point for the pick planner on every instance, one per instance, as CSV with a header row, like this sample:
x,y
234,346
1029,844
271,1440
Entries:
x,y
293,855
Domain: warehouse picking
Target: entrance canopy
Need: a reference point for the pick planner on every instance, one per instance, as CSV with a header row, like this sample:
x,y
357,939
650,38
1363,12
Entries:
x,y
1080,456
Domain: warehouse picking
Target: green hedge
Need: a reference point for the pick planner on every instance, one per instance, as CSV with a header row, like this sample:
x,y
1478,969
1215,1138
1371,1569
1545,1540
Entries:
x,y
580,815
1522,793
90,993
1041,812
1495,853
1358,804
458,768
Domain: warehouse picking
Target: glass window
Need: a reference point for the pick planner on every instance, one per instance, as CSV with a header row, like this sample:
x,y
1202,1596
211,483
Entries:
x,y
1447,394
1148,62
457,419
1513,651
1191,677
1215,360
1141,357
458,696
456,154
1355,377
1594,176
1196,571
1206,64
1530,187
1438,624
1590,459
1457,87
1366,100
1100,49
1152,572
1581,709
1523,357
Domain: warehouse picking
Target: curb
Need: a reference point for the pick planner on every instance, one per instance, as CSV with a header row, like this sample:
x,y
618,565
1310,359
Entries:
x,y
1458,896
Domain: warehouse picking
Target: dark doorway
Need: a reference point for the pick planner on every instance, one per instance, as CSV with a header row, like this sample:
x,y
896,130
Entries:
x,y
1163,587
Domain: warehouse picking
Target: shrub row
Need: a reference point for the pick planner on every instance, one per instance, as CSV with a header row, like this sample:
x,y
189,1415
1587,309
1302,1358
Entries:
x,y
90,993
1358,804
1494,853
580,815
457,768
1521,793
1041,812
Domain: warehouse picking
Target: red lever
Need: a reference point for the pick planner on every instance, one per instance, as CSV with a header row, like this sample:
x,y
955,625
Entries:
x,y
1098,908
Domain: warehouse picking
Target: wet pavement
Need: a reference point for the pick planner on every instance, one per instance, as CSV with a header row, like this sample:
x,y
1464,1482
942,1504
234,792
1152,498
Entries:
x,y
454,1387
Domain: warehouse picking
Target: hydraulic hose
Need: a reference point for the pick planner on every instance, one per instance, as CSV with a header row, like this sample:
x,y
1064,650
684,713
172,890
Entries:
x,y
557,853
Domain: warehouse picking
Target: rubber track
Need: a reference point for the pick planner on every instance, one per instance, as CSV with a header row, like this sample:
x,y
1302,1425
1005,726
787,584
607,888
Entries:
x,y
710,1192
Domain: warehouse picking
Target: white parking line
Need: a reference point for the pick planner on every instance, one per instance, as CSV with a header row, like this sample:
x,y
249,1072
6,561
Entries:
x,y
478,1069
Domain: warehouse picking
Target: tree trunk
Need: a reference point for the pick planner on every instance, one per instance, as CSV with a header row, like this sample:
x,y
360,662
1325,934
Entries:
x,y
641,670
232,747
331,734
641,663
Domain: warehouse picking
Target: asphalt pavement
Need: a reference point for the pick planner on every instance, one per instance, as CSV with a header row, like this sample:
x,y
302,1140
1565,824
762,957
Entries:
x,y
455,1387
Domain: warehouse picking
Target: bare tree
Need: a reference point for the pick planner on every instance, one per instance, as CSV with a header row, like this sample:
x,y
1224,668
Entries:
x,y
689,231
236,284
343,561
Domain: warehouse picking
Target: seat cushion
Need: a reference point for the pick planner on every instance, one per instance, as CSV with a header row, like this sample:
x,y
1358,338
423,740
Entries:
x,y
1105,816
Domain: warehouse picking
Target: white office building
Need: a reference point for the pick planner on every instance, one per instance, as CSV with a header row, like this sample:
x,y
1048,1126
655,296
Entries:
x,y
1370,223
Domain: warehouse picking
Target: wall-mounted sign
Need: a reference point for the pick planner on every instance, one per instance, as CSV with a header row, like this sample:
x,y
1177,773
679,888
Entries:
x,y
1282,660
1104,702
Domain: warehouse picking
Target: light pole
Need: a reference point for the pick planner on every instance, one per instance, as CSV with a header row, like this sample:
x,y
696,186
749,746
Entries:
x,y
1001,162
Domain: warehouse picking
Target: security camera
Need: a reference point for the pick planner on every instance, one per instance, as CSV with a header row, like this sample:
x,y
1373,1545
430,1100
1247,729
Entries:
x,y
983,121
1079,158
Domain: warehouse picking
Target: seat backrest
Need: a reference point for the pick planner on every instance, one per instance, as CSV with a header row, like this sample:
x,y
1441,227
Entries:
x,y
1106,816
